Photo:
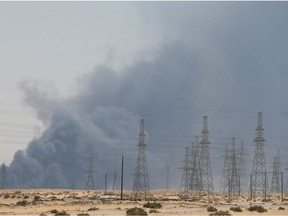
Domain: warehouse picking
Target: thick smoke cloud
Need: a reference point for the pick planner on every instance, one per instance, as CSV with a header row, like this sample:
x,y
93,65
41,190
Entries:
x,y
225,73
102,120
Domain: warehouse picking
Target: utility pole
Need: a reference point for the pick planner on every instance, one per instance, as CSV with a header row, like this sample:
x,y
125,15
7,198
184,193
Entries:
x,y
205,164
259,181
141,181
105,191
167,177
73,189
282,191
122,170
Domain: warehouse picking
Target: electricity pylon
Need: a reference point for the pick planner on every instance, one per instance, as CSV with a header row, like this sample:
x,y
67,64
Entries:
x,y
258,176
234,178
276,178
225,173
195,184
186,174
242,169
205,164
141,181
90,184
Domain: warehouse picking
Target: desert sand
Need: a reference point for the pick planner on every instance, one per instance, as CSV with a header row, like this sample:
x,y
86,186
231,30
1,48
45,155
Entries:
x,y
45,201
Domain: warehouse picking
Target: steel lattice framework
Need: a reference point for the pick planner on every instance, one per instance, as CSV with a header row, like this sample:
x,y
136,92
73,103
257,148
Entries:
x,y
186,174
195,180
259,182
225,173
276,178
242,169
233,171
205,164
90,185
141,181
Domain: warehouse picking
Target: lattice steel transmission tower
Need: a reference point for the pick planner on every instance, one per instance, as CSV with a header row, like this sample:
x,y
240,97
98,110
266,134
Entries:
x,y
195,180
186,174
141,181
242,169
258,176
225,173
90,184
234,177
205,164
276,175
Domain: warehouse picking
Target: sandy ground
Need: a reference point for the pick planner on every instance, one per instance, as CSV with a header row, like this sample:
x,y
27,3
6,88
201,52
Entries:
x,y
42,202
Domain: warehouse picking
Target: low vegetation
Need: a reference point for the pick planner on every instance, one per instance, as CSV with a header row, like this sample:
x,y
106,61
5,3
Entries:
x,y
61,213
136,211
37,198
93,209
281,208
236,209
58,213
220,213
259,209
212,209
153,205
153,211
22,203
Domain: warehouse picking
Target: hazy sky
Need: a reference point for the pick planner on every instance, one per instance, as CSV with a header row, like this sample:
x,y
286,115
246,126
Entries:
x,y
168,62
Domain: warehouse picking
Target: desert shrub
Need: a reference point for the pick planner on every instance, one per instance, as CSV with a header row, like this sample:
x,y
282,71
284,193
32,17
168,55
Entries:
x,y
153,205
259,209
212,209
6,196
220,213
153,211
281,208
22,203
54,211
43,214
61,213
236,209
26,196
37,198
83,214
93,209
136,211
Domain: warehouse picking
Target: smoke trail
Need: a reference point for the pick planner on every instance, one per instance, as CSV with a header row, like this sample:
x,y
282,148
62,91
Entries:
x,y
102,120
